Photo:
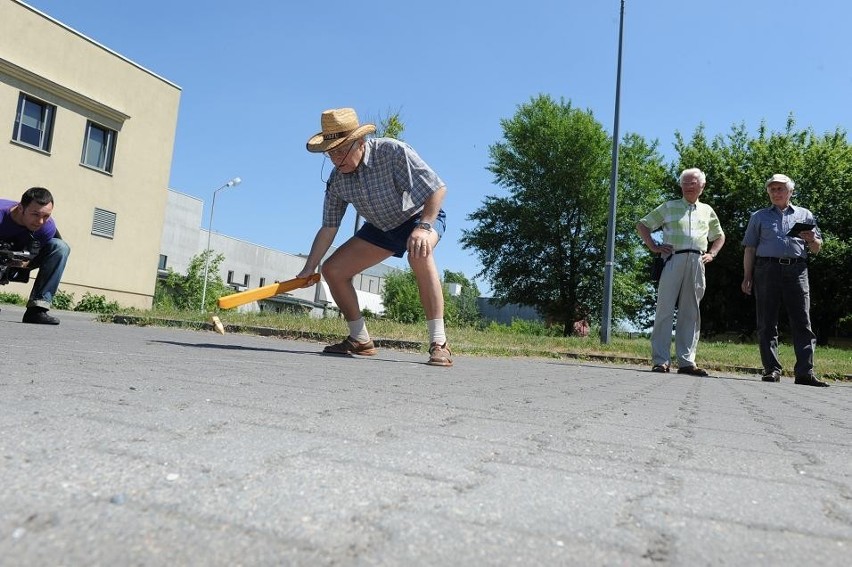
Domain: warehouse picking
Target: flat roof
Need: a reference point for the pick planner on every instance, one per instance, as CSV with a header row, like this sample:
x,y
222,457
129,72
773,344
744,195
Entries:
x,y
98,44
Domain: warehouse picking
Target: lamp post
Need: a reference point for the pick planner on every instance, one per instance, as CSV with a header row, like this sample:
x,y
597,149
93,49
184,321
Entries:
x,y
231,183
606,316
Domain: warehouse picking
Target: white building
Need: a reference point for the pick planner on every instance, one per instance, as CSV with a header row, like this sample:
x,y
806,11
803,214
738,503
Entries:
x,y
249,265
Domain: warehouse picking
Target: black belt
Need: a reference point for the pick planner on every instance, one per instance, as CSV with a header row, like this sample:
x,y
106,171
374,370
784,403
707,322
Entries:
x,y
784,261
690,251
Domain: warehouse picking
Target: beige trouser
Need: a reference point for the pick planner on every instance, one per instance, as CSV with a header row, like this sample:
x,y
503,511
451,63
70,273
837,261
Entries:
x,y
681,286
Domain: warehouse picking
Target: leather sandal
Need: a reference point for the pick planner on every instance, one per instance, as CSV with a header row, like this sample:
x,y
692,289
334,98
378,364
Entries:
x,y
439,355
351,346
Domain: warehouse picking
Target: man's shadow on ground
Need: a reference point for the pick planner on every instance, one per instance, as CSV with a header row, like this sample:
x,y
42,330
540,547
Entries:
x,y
280,350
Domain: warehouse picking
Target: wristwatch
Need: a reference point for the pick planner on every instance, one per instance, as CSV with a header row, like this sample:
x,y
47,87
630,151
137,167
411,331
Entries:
x,y
424,226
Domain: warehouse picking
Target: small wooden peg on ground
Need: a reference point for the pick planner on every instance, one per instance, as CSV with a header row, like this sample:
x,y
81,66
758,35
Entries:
x,y
217,325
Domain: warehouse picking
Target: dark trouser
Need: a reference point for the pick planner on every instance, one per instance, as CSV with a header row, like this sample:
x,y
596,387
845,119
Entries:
x,y
774,284
50,263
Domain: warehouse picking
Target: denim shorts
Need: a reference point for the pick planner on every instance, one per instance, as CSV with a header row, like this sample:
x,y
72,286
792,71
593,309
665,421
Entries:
x,y
396,239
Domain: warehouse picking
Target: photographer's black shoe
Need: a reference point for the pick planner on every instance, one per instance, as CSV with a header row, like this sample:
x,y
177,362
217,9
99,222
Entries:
x,y
39,316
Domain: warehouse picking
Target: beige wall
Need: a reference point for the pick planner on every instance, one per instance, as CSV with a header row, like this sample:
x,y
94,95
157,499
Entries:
x,y
86,81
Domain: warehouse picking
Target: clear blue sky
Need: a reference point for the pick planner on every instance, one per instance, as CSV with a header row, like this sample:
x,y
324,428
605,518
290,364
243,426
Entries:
x,y
257,74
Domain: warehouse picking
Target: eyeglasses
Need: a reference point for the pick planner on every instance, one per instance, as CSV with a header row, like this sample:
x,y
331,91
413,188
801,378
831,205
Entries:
x,y
342,151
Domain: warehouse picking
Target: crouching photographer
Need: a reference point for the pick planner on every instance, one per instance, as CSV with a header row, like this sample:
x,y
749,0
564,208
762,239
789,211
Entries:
x,y
30,241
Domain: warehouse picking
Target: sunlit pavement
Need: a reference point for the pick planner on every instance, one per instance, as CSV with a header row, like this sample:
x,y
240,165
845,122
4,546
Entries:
x,y
125,445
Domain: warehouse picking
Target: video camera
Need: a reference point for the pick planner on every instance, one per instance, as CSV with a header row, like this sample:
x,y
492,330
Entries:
x,y
13,264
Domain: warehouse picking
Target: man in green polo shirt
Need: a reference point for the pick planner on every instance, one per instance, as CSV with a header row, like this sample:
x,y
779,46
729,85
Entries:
x,y
688,226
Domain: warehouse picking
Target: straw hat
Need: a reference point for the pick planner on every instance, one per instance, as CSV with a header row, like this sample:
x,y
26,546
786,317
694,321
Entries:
x,y
339,125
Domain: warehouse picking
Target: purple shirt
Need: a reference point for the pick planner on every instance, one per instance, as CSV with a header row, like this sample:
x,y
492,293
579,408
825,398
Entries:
x,y
18,235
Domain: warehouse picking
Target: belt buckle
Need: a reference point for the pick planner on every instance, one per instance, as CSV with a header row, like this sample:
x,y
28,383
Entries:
x,y
785,261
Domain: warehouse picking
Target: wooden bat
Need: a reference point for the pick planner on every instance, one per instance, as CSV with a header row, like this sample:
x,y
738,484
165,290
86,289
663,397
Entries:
x,y
243,297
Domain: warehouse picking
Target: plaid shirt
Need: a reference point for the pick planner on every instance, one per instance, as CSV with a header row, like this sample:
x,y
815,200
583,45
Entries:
x,y
685,226
389,187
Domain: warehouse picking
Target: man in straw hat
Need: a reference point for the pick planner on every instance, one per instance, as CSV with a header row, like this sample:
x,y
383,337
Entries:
x,y
400,198
775,265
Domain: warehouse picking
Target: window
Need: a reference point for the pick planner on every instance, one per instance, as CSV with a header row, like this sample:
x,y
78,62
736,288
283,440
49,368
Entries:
x,y
246,279
34,122
230,276
163,261
99,147
103,223
262,282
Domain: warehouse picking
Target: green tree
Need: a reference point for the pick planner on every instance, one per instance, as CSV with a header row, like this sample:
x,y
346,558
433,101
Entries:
x,y
643,184
390,125
737,166
184,291
461,309
543,244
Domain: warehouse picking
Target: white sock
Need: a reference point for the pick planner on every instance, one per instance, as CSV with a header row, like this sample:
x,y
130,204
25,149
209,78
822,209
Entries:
x,y
358,330
436,331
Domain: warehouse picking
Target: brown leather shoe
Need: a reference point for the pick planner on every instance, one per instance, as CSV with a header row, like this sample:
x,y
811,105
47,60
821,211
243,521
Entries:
x,y
692,371
351,346
439,355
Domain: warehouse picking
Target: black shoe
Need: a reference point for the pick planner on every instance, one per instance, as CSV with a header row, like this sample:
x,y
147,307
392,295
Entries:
x,y
810,380
39,316
692,370
773,376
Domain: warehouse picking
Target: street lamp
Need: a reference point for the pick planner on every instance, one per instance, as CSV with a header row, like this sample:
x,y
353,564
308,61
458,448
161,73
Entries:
x,y
231,183
609,266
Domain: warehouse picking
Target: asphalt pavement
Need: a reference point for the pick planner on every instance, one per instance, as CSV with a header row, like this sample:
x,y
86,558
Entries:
x,y
128,445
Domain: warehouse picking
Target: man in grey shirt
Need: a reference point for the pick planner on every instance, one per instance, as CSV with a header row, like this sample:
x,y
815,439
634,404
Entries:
x,y
775,265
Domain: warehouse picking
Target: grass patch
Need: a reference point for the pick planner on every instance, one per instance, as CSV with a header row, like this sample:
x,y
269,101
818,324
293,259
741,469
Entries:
x,y
495,340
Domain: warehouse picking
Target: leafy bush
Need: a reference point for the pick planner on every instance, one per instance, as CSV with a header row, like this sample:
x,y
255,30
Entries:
x,y
12,298
184,291
63,300
96,304
402,298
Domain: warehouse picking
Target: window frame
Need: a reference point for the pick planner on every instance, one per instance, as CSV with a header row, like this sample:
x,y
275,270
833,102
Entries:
x,y
46,122
106,154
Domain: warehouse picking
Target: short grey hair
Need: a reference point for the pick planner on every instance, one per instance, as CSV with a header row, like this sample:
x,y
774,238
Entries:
x,y
702,178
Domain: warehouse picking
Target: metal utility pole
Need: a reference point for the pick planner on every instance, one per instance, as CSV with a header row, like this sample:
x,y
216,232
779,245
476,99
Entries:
x,y
606,317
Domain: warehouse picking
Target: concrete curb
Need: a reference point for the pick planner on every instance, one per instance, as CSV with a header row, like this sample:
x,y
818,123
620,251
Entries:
x,y
390,343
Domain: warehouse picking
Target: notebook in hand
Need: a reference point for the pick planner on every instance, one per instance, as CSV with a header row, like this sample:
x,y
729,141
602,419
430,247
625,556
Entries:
x,y
800,227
